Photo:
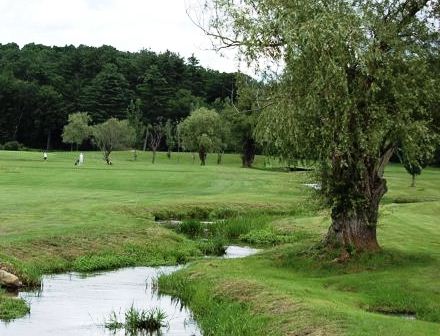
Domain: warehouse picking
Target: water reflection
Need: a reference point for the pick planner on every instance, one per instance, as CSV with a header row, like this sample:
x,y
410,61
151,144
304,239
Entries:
x,y
74,304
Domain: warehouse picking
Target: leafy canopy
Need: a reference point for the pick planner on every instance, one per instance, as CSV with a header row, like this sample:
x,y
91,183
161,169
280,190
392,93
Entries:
x,y
202,129
77,129
113,134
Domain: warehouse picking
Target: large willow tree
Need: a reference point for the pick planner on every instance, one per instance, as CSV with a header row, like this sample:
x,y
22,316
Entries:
x,y
356,81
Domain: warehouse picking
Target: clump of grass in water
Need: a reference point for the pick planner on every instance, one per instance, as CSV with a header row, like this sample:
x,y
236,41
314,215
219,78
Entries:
x,y
136,321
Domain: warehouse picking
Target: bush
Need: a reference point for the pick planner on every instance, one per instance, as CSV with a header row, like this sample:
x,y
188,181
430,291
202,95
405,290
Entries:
x,y
13,146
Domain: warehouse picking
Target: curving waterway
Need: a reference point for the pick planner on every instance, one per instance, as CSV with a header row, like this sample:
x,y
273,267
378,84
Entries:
x,y
73,304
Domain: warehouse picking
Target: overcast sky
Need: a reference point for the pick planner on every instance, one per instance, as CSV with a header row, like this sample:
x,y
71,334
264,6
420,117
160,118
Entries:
x,y
128,25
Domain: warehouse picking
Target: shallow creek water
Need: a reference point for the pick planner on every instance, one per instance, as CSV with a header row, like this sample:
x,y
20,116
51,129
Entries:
x,y
77,304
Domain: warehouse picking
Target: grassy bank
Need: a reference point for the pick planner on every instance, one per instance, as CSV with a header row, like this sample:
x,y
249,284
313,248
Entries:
x,y
57,217
290,289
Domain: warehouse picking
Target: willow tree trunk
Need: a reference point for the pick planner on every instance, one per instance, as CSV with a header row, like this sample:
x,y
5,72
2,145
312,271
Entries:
x,y
413,180
153,160
107,157
202,156
248,154
219,158
354,221
352,231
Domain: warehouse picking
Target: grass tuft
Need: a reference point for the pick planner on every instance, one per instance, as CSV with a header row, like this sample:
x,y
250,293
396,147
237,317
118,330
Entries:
x,y
138,321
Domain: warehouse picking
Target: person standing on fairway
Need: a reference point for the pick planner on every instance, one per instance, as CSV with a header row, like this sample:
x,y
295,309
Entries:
x,y
45,156
81,158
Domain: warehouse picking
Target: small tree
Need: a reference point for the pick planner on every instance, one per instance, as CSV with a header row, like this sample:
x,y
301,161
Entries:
x,y
134,117
111,135
155,134
170,138
77,130
417,152
201,132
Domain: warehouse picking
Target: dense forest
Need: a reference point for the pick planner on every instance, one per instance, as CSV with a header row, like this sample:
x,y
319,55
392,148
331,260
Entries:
x,y
40,86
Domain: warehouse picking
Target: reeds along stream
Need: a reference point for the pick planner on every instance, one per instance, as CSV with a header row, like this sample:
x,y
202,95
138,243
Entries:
x,y
77,304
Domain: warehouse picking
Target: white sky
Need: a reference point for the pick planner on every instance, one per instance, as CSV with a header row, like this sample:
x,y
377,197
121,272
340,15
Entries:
x,y
128,25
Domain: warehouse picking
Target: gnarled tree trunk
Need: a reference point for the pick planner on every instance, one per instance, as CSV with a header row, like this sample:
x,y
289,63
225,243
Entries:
x,y
352,231
354,223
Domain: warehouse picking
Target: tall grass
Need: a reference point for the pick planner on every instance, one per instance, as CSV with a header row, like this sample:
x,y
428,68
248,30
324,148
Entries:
x,y
215,315
234,227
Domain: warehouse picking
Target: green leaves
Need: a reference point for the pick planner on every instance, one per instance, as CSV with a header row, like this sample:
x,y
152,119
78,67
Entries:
x,y
202,130
113,134
77,130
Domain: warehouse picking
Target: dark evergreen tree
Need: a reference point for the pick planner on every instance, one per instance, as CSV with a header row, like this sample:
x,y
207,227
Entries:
x,y
107,96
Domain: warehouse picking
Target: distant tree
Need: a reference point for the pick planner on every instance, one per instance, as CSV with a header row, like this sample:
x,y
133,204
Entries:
x,y
77,129
49,113
201,131
155,92
169,137
111,135
134,117
417,152
155,134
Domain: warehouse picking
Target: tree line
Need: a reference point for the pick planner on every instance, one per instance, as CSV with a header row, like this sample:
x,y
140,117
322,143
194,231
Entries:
x,y
228,127
41,86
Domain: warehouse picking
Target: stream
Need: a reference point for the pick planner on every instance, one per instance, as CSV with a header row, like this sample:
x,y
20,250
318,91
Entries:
x,y
78,304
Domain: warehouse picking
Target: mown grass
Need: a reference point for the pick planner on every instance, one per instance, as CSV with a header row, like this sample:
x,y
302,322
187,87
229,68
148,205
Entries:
x,y
57,217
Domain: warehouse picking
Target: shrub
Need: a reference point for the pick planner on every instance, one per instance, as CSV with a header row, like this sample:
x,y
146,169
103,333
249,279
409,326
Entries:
x,y
13,146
